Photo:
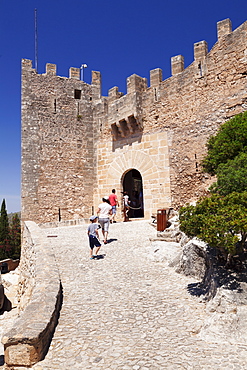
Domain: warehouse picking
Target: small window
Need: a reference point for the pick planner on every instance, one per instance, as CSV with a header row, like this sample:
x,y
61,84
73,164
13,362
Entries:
x,y
77,94
200,69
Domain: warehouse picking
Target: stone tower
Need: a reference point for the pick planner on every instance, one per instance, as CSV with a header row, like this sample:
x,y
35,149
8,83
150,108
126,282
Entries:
x,y
58,144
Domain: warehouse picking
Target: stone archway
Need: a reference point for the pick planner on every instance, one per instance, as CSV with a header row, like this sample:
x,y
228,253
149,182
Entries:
x,y
152,163
132,184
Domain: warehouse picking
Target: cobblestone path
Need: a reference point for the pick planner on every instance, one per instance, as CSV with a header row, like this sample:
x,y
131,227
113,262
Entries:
x,y
125,312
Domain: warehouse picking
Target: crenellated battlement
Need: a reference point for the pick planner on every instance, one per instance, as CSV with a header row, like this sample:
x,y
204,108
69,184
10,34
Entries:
x,y
136,83
177,64
51,70
120,107
224,28
74,73
155,77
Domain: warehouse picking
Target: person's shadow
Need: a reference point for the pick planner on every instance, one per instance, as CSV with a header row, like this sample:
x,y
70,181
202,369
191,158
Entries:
x,y
111,240
99,257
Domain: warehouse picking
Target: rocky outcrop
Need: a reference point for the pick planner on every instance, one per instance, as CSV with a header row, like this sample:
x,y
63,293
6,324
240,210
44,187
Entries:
x,y
194,259
227,316
188,256
225,291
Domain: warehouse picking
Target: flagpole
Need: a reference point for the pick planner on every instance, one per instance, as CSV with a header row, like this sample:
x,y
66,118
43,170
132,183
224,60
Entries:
x,y
36,39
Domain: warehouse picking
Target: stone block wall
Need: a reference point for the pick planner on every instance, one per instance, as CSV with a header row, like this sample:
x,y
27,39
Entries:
x,y
27,273
191,105
40,299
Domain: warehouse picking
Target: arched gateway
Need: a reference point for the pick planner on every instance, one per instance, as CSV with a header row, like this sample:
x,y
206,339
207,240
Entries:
x,y
132,184
140,170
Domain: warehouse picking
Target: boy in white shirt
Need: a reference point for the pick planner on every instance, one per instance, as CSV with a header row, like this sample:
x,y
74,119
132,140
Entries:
x,y
93,235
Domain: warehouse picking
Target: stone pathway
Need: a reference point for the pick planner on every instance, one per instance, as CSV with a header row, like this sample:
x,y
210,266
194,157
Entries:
x,y
125,312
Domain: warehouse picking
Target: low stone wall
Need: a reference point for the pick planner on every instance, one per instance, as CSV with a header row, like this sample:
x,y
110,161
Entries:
x,y
40,297
10,264
77,221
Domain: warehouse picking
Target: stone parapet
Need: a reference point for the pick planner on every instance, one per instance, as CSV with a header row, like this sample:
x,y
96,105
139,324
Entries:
x,y
74,73
136,83
80,221
200,50
224,28
155,77
177,64
51,69
28,340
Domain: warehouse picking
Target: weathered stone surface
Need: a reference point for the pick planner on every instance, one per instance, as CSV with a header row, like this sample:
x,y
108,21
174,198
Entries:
x,y
164,251
188,256
227,316
224,291
194,257
21,355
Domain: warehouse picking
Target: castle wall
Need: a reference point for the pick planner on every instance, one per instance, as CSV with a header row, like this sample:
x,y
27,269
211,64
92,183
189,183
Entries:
x,y
75,150
190,106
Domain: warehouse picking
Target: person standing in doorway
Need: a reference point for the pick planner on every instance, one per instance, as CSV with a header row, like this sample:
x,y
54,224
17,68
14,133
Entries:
x,y
126,202
104,212
114,203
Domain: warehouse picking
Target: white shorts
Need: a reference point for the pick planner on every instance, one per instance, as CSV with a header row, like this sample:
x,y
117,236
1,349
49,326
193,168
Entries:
x,y
104,223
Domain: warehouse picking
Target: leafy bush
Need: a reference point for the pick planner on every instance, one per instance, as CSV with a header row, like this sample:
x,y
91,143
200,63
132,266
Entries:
x,y
219,221
229,142
231,176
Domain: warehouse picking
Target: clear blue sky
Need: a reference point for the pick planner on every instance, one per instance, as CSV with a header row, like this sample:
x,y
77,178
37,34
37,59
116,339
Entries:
x,y
117,38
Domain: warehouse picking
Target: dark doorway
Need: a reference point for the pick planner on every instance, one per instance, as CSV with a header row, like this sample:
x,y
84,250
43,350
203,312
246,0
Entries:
x,y
132,184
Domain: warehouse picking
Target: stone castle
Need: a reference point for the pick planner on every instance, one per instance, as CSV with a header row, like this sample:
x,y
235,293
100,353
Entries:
x,y
77,144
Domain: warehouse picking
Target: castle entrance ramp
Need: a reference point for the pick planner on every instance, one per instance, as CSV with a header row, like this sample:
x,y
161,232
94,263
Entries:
x,y
125,311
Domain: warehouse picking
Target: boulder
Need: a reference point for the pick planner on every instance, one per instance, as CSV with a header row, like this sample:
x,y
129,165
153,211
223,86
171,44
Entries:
x,y
194,259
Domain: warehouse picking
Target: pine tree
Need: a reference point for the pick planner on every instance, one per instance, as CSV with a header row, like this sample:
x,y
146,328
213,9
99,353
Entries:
x,y
4,232
15,237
